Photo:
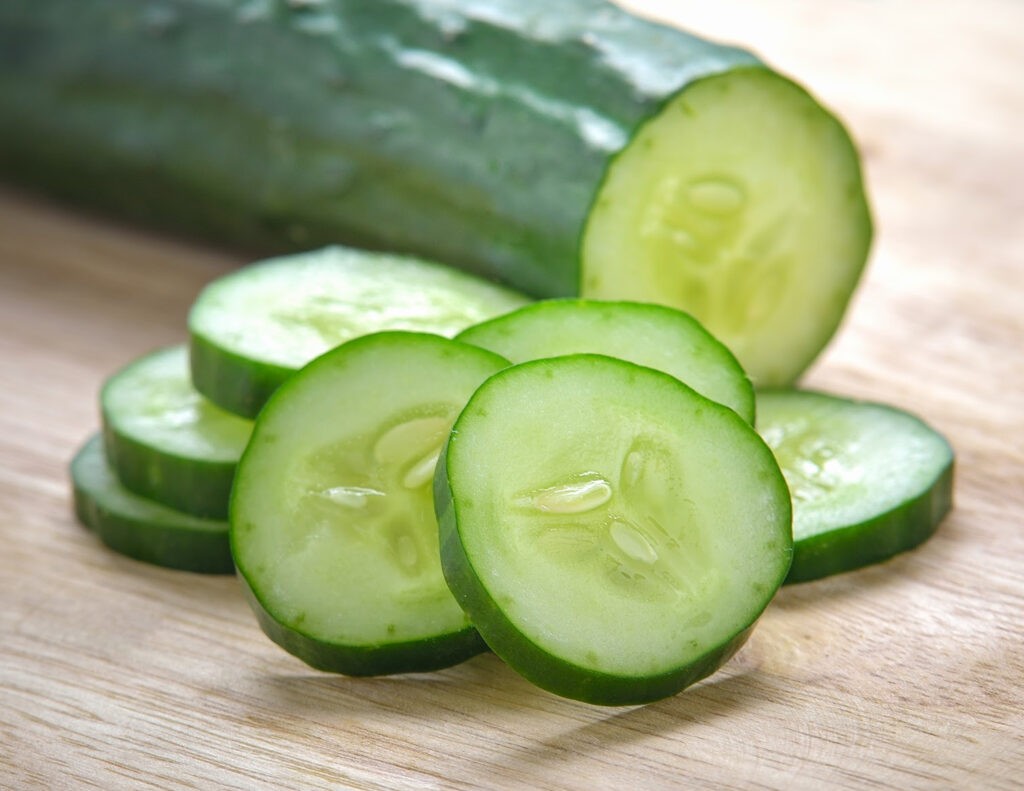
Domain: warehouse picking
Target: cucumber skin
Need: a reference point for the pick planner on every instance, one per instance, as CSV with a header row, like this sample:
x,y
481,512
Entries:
x,y
235,383
415,656
198,487
168,545
874,540
533,663
402,129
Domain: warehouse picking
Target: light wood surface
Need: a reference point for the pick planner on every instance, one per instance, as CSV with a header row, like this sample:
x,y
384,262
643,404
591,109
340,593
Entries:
x,y
115,674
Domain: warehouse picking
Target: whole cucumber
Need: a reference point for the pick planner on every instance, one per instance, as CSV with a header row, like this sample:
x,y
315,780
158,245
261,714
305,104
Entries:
x,y
493,136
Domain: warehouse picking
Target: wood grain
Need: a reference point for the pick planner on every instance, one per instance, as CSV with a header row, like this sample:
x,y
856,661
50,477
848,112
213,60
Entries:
x,y
115,674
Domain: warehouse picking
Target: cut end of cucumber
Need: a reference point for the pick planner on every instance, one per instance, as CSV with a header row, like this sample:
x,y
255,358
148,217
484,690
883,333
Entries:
x,y
742,203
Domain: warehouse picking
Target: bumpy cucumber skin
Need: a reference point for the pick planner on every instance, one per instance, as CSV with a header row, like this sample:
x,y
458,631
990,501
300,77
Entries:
x,y
908,525
173,540
415,656
232,381
534,663
468,132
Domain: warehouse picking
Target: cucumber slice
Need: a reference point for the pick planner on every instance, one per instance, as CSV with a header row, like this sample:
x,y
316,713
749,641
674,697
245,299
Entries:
x,y
255,327
741,203
612,534
868,480
140,528
651,335
165,441
332,521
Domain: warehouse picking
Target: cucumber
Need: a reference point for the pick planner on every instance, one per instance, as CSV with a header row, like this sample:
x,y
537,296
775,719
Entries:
x,y
332,521
253,328
612,534
567,149
646,334
165,441
140,528
868,480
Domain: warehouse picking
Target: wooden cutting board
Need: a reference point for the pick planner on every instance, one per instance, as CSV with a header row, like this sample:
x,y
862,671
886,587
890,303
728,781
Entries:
x,y
115,674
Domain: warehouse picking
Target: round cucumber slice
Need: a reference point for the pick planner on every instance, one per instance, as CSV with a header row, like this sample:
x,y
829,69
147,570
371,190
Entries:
x,y
868,481
165,441
653,335
140,528
742,203
612,534
332,521
255,327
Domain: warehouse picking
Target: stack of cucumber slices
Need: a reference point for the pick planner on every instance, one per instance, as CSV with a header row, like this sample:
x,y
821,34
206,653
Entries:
x,y
409,466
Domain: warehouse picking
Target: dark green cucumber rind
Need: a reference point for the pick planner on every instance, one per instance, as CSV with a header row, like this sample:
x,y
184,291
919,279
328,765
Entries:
x,y
397,124
199,487
548,672
142,529
235,383
874,540
478,332
413,656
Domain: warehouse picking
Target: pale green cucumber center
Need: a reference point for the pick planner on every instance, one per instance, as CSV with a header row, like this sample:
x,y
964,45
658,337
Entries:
x,y
741,203
363,562
287,311
847,462
153,402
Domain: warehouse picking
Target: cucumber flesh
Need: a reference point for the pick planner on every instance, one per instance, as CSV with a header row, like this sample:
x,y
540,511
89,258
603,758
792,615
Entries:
x,y
140,528
651,335
332,521
255,327
868,481
741,203
165,441
612,534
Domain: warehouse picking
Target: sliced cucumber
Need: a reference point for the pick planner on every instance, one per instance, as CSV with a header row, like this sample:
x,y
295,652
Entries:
x,y
165,441
612,534
652,335
141,528
332,520
255,327
741,203
868,480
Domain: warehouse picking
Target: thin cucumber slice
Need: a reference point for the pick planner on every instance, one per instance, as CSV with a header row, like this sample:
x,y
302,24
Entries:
x,y
255,327
165,441
612,534
652,335
140,528
332,520
741,203
868,480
